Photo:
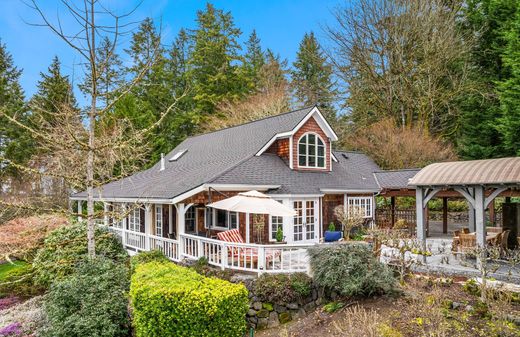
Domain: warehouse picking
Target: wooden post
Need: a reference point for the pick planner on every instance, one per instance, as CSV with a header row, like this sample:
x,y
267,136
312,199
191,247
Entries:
x,y
492,217
392,210
427,219
421,229
105,214
248,230
445,215
80,211
480,223
471,217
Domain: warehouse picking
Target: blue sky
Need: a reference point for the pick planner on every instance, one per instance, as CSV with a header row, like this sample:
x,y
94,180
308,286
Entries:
x,y
280,24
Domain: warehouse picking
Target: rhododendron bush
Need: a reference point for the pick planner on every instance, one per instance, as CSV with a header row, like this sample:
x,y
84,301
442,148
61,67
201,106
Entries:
x,y
21,237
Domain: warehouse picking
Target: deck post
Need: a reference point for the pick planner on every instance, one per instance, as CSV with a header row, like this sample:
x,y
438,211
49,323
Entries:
x,y
124,221
248,230
261,259
421,229
80,211
147,225
445,215
105,214
180,226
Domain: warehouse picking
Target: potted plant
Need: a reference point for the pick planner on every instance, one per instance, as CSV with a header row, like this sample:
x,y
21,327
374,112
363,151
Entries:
x,y
331,234
279,235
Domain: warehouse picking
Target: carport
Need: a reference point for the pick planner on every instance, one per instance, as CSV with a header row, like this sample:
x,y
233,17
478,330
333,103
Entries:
x,y
478,181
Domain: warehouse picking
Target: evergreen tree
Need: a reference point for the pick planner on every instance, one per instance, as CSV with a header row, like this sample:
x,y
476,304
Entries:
x,y
15,142
214,67
481,134
54,92
254,60
273,73
509,89
312,77
110,68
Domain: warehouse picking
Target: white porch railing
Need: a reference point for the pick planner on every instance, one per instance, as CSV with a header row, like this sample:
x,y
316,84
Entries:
x,y
286,258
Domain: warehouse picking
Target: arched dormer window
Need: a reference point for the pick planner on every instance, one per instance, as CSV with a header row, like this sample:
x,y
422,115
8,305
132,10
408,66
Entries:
x,y
311,151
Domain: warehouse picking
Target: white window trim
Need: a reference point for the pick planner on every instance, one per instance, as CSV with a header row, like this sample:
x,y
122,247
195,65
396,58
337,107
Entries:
x,y
134,220
367,207
228,220
194,218
271,233
159,220
316,153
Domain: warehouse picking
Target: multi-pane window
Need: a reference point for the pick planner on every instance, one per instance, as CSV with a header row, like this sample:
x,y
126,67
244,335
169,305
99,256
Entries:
x,y
276,222
158,220
134,219
298,221
311,151
225,219
189,219
363,204
309,215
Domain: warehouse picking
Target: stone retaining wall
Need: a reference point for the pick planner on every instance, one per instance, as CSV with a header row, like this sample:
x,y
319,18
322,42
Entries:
x,y
263,315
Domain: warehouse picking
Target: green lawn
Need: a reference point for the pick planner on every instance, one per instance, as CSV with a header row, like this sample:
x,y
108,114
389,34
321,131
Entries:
x,y
6,267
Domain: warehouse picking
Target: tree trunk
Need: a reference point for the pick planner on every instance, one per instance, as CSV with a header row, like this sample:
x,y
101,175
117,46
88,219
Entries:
x,y
90,155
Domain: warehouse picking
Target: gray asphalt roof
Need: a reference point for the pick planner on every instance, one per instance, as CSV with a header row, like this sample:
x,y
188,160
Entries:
x,y
228,157
352,171
208,156
395,179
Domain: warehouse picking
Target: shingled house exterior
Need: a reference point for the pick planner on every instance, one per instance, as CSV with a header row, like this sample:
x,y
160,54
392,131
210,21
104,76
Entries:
x,y
288,156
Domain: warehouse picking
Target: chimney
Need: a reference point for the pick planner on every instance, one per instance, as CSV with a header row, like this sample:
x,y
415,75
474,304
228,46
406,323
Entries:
x,y
162,162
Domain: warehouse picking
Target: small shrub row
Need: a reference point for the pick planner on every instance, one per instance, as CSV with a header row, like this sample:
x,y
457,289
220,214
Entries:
x,y
66,247
350,270
278,288
91,302
169,300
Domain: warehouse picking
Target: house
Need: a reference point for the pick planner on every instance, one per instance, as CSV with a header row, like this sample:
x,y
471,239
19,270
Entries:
x,y
288,156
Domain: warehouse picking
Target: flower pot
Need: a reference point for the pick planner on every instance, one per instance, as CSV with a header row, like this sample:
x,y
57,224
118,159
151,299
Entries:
x,y
332,236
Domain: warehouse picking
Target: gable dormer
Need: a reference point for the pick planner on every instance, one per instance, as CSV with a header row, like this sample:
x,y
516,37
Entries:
x,y
308,146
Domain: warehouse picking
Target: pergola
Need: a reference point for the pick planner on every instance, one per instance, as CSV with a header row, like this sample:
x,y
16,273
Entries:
x,y
478,181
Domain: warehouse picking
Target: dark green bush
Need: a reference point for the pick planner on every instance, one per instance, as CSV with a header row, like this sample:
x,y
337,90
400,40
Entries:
x,y
350,269
20,282
169,300
90,302
145,257
278,288
65,247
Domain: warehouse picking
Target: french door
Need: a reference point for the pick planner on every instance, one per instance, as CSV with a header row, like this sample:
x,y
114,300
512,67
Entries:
x,y
305,223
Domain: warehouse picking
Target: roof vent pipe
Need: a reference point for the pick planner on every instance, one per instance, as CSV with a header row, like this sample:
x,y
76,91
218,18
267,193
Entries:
x,y
162,162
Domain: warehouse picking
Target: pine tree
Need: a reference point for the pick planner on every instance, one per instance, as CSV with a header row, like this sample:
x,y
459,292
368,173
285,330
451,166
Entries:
x,y
111,76
213,69
54,91
312,77
254,60
15,142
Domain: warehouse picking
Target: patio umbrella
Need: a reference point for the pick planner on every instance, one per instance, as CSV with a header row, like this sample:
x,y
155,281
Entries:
x,y
253,202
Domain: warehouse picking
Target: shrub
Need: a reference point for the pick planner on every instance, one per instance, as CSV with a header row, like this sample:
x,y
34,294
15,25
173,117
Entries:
x,y
20,282
145,257
66,247
90,302
350,269
169,300
277,288
29,315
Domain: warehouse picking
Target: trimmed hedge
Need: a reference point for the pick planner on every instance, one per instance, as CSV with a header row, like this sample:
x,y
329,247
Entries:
x,y
145,257
169,300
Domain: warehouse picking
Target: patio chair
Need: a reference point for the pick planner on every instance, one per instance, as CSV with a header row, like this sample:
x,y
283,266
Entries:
x,y
456,241
497,241
494,229
465,230
504,241
241,254
467,243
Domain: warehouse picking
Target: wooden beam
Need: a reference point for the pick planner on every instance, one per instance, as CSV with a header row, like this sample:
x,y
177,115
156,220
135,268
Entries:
x,y
445,215
392,205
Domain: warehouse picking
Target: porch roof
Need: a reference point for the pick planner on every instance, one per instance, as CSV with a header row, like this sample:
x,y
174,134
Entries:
x,y
500,171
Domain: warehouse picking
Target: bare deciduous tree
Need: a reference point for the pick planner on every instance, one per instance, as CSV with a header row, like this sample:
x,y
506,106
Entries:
x,y
84,147
404,59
